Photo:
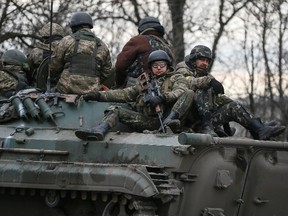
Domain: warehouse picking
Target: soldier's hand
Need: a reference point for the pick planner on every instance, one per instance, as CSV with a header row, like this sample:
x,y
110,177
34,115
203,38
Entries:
x,y
217,86
94,96
154,101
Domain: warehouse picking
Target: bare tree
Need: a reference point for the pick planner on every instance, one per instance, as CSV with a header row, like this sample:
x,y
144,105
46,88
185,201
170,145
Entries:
x,y
227,10
21,21
112,19
177,12
270,14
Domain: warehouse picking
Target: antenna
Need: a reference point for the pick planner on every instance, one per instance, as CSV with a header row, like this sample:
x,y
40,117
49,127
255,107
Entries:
x,y
48,89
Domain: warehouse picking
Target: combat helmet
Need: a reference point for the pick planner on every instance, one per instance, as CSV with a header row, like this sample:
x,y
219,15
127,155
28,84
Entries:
x,y
148,23
13,57
197,52
159,55
57,30
80,19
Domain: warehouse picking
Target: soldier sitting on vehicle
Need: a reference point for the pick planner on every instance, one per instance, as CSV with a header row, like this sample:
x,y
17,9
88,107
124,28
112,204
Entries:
x,y
42,49
13,76
132,60
12,79
202,87
81,60
153,97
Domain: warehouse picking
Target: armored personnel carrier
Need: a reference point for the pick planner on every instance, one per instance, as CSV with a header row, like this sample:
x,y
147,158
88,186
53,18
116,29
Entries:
x,y
46,170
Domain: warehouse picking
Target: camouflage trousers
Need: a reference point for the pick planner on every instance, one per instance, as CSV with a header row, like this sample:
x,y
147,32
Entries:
x,y
135,120
186,107
232,111
220,109
203,105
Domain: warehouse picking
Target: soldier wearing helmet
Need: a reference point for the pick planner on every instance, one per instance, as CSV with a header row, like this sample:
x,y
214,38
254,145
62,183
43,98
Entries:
x,y
81,61
213,109
196,65
132,60
142,116
13,76
42,48
159,62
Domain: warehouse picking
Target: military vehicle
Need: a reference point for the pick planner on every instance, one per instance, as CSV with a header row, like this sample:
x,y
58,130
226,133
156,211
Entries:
x,y
46,170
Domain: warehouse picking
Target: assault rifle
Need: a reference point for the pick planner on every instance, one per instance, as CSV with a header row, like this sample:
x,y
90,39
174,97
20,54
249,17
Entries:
x,y
153,89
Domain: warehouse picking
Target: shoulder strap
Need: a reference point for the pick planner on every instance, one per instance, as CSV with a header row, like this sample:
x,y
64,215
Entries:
x,y
167,83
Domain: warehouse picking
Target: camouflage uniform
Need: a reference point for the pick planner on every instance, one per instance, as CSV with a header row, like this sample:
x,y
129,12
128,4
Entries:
x,y
12,80
196,79
132,60
8,83
143,115
215,109
82,62
200,106
42,49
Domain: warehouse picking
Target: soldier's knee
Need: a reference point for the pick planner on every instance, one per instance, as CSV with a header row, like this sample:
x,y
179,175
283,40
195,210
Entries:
x,y
112,109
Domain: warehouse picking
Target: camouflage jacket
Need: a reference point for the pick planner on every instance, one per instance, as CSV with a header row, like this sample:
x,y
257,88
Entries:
x,y
12,79
196,80
36,56
171,88
61,63
7,83
132,60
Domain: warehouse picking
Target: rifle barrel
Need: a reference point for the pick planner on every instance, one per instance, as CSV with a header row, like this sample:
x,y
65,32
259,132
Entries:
x,y
161,122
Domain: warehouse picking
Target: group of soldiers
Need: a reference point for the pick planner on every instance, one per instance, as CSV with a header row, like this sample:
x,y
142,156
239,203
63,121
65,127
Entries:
x,y
159,95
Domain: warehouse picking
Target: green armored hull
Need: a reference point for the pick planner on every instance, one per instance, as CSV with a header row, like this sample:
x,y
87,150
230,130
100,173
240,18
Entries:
x,y
46,170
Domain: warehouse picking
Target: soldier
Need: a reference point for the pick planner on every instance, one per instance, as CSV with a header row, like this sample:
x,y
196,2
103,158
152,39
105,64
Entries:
x,y
132,60
12,79
214,108
42,49
148,107
81,60
13,76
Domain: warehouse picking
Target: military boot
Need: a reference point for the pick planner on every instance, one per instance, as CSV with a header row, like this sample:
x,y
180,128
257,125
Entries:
x,y
172,121
270,123
95,133
208,129
207,126
225,131
258,129
261,131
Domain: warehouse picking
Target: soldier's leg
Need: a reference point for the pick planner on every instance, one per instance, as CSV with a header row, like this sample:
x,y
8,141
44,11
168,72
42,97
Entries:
x,y
98,132
236,112
137,121
184,103
204,106
180,109
225,129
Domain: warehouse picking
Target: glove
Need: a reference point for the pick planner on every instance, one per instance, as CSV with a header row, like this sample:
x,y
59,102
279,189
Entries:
x,y
217,86
94,96
154,101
